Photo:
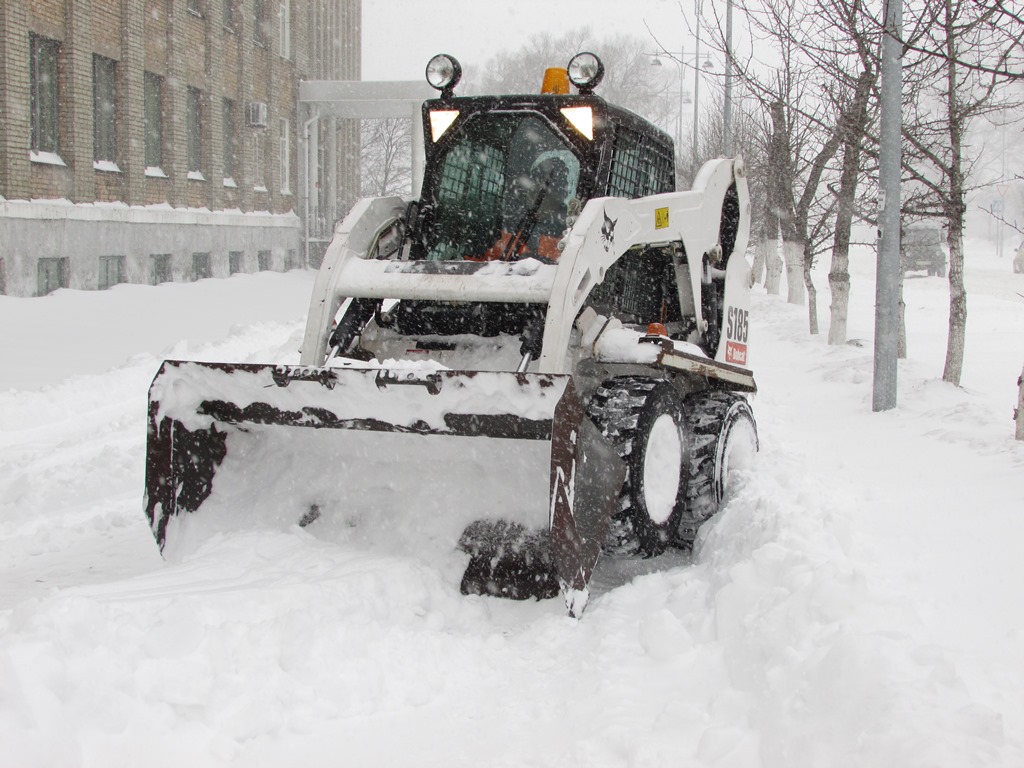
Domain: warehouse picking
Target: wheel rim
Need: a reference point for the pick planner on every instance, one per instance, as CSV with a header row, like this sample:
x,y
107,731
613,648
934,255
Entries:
x,y
663,462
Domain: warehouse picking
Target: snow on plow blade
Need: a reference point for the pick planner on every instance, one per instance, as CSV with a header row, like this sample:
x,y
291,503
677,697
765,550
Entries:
x,y
504,466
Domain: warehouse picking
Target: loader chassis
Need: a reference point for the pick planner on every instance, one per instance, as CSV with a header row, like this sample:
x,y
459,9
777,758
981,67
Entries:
x,y
550,307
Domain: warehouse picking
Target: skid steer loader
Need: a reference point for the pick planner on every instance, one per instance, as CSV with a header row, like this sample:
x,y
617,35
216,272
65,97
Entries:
x,y
542,357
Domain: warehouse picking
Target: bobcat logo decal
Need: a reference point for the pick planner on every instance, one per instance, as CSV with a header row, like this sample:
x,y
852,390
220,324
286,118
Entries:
x,y
608,232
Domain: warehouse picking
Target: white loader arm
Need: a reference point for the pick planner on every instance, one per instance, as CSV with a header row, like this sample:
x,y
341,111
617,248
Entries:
x,y
608,227
353,239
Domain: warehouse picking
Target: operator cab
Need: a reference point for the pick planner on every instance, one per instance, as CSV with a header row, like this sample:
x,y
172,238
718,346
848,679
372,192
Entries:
x,y
504,174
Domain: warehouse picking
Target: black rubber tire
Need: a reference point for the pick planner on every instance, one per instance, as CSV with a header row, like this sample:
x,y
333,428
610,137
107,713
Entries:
x,y
627,410
717,422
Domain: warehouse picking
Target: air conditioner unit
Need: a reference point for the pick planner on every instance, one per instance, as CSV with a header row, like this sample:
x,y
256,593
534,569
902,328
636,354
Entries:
x,y
256,114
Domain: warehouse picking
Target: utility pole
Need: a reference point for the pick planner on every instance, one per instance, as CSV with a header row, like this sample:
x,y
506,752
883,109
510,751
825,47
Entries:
x,y
889,169
696,89
727,101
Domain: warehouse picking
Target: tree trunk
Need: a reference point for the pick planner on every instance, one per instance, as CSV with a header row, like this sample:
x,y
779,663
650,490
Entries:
x,y
957,301
812,293
774,266
1018,412
779,196
793,254
955,209
757,271
853,127
901,342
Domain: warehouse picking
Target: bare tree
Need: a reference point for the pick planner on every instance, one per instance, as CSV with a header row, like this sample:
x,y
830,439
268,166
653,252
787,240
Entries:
x,y
387,157
849,63
629,80
801,141
962,60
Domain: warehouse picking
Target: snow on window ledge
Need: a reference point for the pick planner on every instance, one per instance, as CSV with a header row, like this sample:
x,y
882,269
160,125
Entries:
x,y
259,188
286,192
155,172
196,176
108,166
230,183
46,158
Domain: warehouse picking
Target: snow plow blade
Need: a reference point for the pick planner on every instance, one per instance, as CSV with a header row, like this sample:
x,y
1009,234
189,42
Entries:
x,y
502,466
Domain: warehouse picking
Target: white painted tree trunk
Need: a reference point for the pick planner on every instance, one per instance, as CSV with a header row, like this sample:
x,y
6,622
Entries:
x,y
839,282
793,253
757,271
774,266
1018,414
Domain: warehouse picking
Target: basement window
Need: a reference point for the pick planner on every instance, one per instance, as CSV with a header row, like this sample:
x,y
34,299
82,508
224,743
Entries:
x,y
51,274
111,271
160,268
201,266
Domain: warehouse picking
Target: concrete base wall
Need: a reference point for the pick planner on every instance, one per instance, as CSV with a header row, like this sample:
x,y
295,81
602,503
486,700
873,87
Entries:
x,y
84,234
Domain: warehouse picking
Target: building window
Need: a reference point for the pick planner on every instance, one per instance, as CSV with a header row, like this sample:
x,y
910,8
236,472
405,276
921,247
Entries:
x,y
259,35
263,260
111,271
285,17
160,271
201,266
257,163
229,15
153,118
285,151
52,274
104,109
43,88
193,132
195,7
230,149
235,262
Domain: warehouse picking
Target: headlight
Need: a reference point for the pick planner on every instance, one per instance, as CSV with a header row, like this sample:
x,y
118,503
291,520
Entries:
x,y
444,73
585,71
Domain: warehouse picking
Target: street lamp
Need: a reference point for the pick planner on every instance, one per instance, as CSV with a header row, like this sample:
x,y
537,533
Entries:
x,y
681,58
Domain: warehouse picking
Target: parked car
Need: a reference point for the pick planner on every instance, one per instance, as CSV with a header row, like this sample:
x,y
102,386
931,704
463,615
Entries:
x,y
921,248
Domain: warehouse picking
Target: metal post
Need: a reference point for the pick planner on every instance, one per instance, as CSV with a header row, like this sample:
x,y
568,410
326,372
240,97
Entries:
x,y
727,101
696,89
307,181
329,210
889,167
418,151
682,79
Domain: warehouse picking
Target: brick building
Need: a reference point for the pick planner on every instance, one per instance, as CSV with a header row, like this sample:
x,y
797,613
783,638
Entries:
x,y
155,140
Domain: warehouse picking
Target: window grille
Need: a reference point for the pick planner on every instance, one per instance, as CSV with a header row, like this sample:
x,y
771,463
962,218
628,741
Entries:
x,y
640,166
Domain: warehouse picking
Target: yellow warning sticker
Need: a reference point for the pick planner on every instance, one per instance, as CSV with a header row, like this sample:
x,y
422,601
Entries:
x,y
660,218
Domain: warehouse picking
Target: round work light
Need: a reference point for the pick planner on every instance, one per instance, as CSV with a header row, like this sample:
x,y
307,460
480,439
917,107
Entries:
x,y
444,73
585,71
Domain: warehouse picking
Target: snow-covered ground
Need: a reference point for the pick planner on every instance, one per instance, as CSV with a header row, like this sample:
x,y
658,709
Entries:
x,y
858,602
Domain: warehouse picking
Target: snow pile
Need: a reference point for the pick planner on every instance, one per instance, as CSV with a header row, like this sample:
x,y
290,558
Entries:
x,y
857,602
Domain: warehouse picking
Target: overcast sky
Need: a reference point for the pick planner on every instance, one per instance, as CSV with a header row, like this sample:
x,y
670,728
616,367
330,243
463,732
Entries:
x,y
400,36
